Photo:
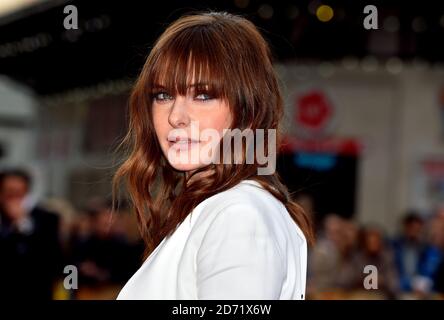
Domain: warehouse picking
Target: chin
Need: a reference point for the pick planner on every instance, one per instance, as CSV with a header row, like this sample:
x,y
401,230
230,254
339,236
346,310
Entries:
x,y
185,166
184,160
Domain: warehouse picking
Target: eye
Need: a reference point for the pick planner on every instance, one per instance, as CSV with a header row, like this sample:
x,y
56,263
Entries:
x,y
203,97
161,96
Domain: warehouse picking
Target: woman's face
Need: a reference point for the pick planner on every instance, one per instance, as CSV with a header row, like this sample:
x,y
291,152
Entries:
x,y
182,124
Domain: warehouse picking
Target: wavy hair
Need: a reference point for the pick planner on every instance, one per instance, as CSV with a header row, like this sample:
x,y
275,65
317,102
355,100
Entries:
x,y
228,53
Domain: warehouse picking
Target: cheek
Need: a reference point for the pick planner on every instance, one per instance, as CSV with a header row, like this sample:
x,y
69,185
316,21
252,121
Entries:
x,y
224,121
219,120
160,122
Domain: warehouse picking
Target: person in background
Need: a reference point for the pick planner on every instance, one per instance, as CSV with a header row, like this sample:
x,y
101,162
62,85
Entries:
x,y
330,262
436,236
416,261
31,255
347,247
373,250
103,255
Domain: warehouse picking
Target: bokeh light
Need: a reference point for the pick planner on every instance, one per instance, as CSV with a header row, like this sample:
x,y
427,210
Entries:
x,y
324,13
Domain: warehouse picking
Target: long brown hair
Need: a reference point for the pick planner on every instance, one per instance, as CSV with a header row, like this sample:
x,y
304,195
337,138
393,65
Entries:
x,y
228,53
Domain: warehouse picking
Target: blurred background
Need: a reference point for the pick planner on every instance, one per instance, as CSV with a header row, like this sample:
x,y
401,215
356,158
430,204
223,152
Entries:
x,y
363,150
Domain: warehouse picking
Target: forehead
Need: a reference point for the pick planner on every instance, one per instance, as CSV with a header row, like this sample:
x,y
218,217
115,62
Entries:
x,y
177,69
186,75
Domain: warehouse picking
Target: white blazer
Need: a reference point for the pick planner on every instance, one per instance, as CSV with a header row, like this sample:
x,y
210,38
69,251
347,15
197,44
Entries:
x,y
240,244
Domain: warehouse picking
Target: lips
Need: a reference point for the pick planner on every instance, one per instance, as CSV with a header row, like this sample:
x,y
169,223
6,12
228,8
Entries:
x,y
182,143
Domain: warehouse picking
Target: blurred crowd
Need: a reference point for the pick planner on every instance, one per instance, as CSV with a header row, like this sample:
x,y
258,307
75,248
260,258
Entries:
x,y
37,242
409,265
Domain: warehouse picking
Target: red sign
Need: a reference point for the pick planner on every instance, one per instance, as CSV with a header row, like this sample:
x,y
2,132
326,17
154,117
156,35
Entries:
x,y
434,168
313,111
342,146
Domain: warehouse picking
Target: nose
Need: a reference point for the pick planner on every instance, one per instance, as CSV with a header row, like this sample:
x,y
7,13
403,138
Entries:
x,y
179,116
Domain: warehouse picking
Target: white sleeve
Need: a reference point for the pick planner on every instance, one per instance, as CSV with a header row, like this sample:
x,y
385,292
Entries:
x,y
239,257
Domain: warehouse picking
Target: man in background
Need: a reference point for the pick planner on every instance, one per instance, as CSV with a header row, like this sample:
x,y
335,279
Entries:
x,y
416,260
30,251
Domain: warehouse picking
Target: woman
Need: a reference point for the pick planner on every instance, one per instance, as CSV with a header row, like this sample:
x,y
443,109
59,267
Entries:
x,y
214,226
